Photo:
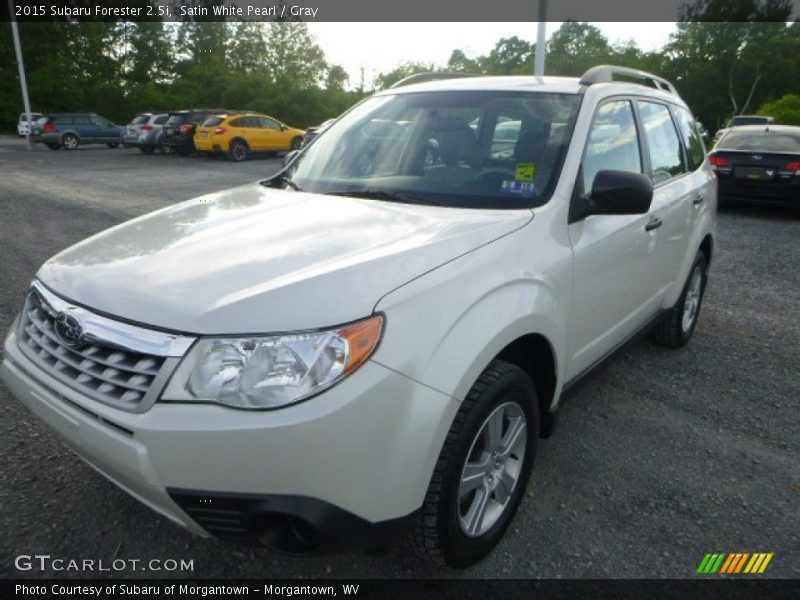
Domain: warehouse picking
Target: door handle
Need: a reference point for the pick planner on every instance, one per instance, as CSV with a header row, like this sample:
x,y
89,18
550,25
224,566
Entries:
x,y
697,200
653,223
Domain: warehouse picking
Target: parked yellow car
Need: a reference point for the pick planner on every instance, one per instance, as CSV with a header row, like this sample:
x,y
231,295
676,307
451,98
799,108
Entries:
x,y
241,134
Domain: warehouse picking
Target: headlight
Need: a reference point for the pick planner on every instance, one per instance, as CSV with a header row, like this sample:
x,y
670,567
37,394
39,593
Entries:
x,y
271,371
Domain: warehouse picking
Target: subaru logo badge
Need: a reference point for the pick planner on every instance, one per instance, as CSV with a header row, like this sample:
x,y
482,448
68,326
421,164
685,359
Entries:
x,y
69,329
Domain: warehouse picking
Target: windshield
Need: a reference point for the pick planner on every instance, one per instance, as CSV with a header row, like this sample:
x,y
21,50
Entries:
x,y
140,120
771,141
467,149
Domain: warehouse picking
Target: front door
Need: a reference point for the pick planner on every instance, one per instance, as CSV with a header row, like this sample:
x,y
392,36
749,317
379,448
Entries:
x,y
614,288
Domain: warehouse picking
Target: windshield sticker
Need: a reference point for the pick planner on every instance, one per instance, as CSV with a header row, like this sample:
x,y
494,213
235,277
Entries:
x,y
525,171
522,188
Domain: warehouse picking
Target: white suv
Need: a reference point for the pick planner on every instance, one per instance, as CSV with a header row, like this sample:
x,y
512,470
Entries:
x,y
370,343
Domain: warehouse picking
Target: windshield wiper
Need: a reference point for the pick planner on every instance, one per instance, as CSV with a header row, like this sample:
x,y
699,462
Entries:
x,y
385,195
285,180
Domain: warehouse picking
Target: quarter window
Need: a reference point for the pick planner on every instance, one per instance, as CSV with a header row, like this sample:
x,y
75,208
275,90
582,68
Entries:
x,y
666,155
613,143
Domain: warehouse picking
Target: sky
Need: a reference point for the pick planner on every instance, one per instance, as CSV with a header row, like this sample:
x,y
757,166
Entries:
x,y
379,47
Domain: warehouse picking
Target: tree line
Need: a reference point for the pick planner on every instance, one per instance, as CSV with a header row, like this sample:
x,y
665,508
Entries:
x,y
722,63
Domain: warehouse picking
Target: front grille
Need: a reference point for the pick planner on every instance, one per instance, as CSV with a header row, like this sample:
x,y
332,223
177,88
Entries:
x,y
108,374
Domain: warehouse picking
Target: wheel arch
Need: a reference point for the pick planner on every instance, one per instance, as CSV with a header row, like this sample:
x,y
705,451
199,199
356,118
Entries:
x,y
534,354
707,247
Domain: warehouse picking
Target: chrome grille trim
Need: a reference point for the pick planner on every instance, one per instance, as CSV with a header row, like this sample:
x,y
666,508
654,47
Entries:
x,y
116,371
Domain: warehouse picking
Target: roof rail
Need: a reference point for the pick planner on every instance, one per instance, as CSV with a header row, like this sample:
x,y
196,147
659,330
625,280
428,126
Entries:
x,y
607,73
430,76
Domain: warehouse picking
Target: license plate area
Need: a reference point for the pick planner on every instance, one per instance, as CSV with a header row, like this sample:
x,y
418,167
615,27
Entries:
x,y
754,173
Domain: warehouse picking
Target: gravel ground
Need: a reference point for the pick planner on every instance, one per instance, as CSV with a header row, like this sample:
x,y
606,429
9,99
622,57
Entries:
x,y
662,457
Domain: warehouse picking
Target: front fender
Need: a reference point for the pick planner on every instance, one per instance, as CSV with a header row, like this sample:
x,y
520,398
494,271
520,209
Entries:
x,y
444,328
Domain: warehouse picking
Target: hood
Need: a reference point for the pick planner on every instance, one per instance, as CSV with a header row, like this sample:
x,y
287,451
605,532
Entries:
x,y
254,259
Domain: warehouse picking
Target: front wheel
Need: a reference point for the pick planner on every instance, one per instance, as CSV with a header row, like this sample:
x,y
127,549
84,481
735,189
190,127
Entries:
x,y
54,146
677,326
482,471
112,144
296,144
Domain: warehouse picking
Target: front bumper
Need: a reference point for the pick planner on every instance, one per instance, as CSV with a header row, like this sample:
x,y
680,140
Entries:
x,y
358,457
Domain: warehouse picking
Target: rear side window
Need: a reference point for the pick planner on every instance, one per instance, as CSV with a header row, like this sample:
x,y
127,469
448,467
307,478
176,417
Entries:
x,y
63,120
613,143
140,120
666,156
160,120
695,150
244,122
213,121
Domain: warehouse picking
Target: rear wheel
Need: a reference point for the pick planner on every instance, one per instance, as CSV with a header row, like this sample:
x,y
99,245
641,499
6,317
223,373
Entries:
x,y
238,150
54,146
147,149
482,471
677,326
70,141
296,144
112,144
184,150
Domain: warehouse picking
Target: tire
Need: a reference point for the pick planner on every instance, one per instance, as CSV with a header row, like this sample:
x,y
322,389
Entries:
x,y
238,150
676,327
183,150
69,141
112,144
146,149
54,146
446,531
296,144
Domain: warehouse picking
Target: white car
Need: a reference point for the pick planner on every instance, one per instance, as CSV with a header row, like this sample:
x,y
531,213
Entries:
x,y
26,122
339,356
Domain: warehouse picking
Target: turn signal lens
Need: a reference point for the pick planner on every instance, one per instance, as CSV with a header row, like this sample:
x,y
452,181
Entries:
x,y
362,339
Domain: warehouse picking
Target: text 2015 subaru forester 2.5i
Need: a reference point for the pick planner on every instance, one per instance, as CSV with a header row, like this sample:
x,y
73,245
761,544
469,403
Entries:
x,y
369,344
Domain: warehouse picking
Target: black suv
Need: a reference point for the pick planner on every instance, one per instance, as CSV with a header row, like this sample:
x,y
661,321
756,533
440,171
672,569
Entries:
x,y
180,126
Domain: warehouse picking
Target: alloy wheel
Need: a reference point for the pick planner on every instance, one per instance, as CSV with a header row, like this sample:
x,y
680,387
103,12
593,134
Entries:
x,y
492,469
691,304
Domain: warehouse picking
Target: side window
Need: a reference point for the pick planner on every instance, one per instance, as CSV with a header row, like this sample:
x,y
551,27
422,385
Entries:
x,y
666,155
613,143
161,120
268,123
691,138
242,122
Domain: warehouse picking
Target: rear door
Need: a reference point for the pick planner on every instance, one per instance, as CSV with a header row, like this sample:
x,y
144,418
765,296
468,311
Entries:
x,y
615,286
673,192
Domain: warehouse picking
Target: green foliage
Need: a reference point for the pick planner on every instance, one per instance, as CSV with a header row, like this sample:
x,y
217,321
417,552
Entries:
x,y
786,110
720,67
387,80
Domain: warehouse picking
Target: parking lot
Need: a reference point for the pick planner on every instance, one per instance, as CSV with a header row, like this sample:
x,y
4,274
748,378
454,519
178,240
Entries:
x,y
663,457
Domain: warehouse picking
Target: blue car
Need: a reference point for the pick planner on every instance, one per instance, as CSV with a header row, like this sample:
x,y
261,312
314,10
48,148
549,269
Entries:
x,y
70,130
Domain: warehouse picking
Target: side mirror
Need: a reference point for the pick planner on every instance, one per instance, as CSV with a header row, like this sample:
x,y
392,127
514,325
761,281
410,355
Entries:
x,y
289,156
283,127
619,193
